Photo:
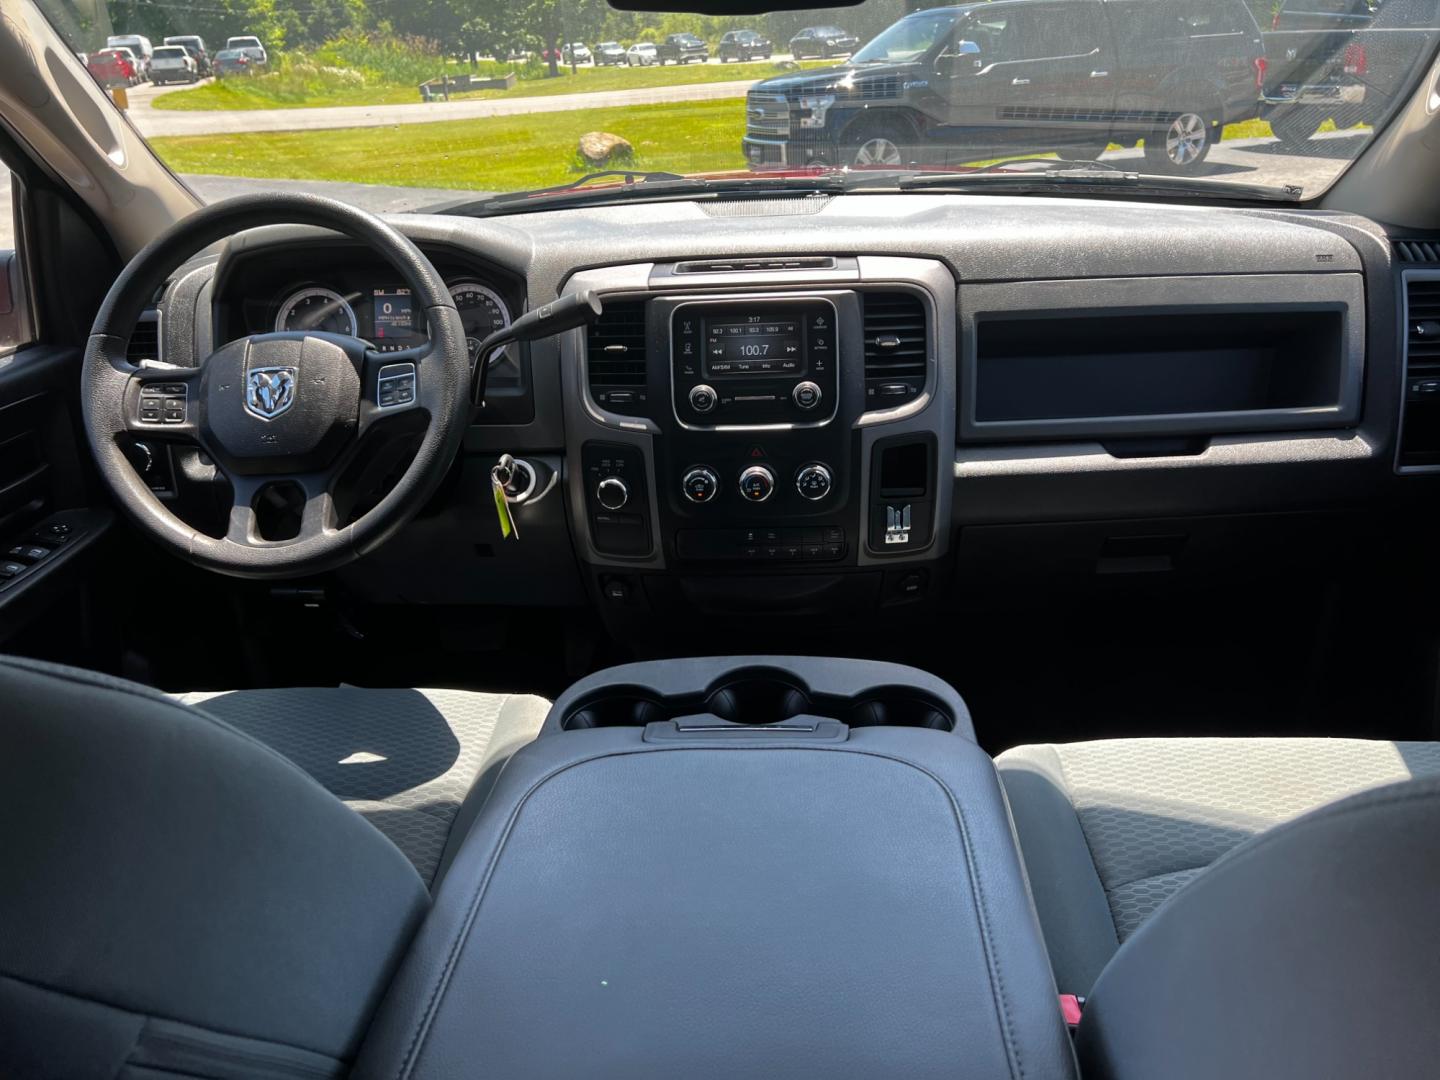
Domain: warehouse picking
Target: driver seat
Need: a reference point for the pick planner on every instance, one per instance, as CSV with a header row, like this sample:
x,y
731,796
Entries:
x,y
417,764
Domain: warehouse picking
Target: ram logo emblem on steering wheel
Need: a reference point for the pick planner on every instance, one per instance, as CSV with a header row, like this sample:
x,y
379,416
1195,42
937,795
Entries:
x,y
269,391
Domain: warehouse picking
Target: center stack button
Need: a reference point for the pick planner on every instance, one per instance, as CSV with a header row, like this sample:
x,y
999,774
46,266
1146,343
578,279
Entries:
x,y
757,483
700,484
702,398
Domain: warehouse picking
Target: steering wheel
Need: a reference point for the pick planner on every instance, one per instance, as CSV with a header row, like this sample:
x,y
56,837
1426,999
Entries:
x,y
285,408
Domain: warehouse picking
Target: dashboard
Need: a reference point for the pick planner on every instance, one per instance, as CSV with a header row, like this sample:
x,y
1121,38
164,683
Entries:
x,y
847,406
341,289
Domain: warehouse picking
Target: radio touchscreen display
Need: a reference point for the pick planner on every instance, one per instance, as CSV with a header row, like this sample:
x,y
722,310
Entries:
x,y
754,344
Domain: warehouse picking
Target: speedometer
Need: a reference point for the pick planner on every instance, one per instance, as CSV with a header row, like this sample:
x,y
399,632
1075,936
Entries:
x,y
482,312
317,309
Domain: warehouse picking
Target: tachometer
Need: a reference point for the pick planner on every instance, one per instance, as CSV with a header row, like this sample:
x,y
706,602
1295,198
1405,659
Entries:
x,y
317,309
482,312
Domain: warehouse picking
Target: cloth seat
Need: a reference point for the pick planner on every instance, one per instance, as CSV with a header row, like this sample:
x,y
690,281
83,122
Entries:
x,y
1112,829
416,764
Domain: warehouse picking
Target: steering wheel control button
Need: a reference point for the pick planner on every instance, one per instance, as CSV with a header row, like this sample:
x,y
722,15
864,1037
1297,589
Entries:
x,y
806,395
395,386
813,481
700,484
757,483
703,398
611,493
162,403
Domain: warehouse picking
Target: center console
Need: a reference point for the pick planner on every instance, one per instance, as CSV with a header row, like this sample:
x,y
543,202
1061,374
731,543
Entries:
x,y
757,437
746,867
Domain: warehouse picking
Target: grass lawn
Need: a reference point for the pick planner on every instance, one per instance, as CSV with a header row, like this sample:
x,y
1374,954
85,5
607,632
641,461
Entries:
x,y
267,92
504,153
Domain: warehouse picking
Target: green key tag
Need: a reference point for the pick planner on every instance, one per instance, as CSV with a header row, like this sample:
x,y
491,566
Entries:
x,y
508,529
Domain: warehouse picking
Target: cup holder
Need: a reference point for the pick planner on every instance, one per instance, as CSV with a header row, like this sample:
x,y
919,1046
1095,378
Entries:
x,y
899,707
617,706
758,697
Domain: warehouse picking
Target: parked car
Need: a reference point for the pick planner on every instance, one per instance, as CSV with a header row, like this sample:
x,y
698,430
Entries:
x,y
577,52
230,62
252,46
609,53
823,42
172,63
139,46
113,67
743,45
957,84
194,44
682,49
1340,60
641,54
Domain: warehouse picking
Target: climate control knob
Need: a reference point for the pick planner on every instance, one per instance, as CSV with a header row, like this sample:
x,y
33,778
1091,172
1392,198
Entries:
x,y
612,493
806,395
703,398
700,484
813,481
757,483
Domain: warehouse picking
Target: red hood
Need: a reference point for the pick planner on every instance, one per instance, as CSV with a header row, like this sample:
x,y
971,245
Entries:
x,y
809,172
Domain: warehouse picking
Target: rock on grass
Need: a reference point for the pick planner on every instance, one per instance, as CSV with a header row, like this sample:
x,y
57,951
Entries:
x,y
603,148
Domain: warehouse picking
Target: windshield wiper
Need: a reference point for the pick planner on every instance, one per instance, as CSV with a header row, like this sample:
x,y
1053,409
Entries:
x,y
1066,175
635,185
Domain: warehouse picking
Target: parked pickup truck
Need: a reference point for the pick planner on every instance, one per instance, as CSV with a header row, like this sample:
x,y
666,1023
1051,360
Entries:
x,y
956,84
1341,59
682,49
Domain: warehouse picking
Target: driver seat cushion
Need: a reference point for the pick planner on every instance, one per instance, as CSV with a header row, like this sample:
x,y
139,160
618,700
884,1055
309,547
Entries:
x,y
1112,829
416,764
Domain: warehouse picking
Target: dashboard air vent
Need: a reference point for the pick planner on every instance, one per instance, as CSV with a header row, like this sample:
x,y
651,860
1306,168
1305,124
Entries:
x,y
732,266
1420,425
615,357
895,348
145,338
1417,251
1422,327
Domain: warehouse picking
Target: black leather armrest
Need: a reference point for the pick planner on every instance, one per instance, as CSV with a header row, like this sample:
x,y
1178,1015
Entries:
x,y
771,906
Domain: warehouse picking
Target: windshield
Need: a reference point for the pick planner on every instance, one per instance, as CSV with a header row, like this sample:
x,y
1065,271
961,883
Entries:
x,y
907,39
405,106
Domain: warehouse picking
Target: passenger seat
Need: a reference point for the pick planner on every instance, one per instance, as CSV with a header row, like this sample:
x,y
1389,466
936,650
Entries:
x,y
417,764
1111,829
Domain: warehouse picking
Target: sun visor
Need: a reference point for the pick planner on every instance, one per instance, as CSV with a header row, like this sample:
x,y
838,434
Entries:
x,y
727,7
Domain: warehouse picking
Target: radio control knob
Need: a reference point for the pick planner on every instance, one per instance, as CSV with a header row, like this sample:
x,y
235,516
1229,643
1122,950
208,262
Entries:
x,y
813,481
806,394
703,398
612,493
757,483
700,484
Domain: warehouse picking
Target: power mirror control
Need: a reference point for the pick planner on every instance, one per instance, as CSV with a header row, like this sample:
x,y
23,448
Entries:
x,y
757,483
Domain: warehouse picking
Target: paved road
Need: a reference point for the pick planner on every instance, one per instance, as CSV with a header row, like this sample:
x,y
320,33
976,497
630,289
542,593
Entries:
x,y
153,122
1312,165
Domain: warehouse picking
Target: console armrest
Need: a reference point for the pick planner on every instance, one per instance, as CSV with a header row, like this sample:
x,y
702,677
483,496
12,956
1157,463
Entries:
x,y
773,905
